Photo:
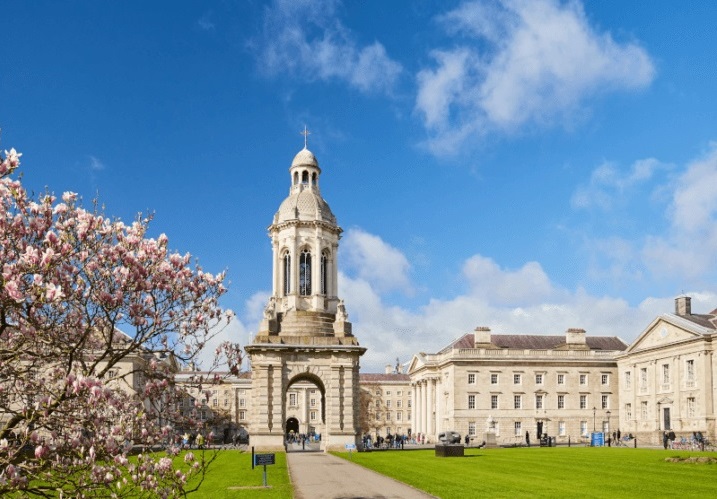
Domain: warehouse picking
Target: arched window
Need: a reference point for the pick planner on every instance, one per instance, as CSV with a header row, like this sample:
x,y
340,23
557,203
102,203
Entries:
x,y
305,273
296,178
324,273
304,177
287,273
313,179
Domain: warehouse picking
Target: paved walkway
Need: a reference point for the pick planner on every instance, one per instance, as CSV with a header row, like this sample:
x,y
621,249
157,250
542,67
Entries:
x,y
317,475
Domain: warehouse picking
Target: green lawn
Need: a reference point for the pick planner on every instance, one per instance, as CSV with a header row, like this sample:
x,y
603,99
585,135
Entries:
x,y
548,472
230,475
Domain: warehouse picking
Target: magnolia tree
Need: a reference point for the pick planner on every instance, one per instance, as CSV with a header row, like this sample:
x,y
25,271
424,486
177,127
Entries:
x,y
94,319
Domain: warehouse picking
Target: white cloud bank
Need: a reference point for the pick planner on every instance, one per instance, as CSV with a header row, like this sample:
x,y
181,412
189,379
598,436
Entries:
x,y
305,38
521,62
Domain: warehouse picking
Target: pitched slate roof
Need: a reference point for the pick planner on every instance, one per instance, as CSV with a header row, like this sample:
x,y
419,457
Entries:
x,y
537,342
383,378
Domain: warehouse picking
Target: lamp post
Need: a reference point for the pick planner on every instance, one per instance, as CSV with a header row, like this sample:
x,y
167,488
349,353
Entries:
x,y
608,420
594,411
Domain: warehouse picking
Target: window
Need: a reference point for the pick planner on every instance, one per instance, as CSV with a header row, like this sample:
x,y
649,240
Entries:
x,y
471,428
242,415
215,403
628,412
305,273
312,415
287,273
561,401
399,393
584,428
409,403
561,379
643,410
643,378
690,374
605,401
388,392
516,379
493,378
408,416
242,402
324,273
517,401
378,404
561,428
605,379
518,429
388,415
494,401
539,379
292,399
690,407
471,378
606,426
226,402
312,402
399,403
583,401
388,403
471,401
628,380
399,416
378,393
539,401
583,379
666,374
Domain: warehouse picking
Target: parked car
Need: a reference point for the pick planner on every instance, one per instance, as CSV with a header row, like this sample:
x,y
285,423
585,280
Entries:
x,y
450,437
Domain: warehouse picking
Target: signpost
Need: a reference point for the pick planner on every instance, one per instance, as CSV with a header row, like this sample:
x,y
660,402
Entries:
x,y
262,460
350,447
597,439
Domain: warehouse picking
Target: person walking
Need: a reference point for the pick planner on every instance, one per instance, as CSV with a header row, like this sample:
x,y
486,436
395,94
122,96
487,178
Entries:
x,y
527,438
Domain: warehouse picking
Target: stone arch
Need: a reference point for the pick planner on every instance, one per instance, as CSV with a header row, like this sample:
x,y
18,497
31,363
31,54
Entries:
x,y
311,375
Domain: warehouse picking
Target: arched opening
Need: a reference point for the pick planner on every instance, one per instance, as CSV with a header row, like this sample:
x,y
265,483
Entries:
x,y
292,429
305,177
305,273
313,179
296,178
287,273
324,272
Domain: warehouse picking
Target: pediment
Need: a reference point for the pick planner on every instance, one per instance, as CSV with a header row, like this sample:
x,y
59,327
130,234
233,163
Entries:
x,y
416,363
662,332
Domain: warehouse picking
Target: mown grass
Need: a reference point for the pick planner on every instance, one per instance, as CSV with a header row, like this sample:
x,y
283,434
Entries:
x,y
548,472
230,476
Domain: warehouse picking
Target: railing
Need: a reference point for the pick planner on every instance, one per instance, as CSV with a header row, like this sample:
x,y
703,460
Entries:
x,y
502,353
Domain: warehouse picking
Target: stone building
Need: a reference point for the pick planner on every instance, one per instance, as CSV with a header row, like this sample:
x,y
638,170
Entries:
x,y
386,403
668,376
564,386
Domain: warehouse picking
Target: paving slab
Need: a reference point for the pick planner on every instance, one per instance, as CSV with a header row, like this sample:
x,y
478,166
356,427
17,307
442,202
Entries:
x,y
317,475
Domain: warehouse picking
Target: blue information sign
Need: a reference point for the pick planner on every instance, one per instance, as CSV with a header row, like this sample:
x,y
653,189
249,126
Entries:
x,y
597,439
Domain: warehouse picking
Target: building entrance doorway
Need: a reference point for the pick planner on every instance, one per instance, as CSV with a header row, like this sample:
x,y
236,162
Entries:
x,y
292,428
666,418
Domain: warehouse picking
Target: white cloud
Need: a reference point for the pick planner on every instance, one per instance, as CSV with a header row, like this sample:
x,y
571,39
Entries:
x,y
526,62
376,262
95,164
608,184
522,301
689,250
306,39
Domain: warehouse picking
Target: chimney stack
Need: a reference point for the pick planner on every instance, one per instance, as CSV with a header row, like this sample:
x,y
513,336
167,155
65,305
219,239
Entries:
x,y
481,337
683,305
575,337
388,369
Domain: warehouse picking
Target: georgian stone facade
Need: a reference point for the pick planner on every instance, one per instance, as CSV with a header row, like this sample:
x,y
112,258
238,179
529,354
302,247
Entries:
x,y
559,385
668,376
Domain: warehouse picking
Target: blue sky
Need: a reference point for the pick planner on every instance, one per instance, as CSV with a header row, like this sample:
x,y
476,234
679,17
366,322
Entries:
x,y
525,165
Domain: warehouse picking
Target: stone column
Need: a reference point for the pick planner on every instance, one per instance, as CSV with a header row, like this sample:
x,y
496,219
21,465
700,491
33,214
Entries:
x,y
431,427
424,407
439,408
417,408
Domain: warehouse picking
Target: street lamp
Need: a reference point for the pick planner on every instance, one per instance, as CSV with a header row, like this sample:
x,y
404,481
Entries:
x,y
608,420
594,411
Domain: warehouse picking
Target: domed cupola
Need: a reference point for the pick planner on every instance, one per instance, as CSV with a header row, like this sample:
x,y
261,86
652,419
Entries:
x,y
304,202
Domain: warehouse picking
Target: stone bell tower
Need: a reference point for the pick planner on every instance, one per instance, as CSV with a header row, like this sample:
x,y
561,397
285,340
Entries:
x,y
305,334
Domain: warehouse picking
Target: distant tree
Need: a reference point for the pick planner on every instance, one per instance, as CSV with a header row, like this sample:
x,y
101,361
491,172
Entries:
x,y
75,392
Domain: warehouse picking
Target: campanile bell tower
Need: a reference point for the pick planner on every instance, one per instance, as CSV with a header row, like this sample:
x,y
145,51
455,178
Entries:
x,y
305,334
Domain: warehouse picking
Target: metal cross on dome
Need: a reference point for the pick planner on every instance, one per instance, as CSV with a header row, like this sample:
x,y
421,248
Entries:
x,y
306,134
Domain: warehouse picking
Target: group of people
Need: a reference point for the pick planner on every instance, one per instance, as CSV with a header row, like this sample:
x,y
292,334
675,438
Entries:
x,y
668,439
389,442
190,440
